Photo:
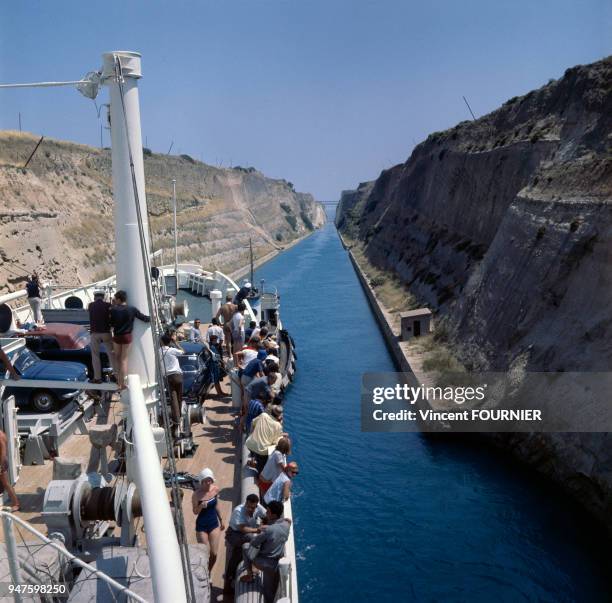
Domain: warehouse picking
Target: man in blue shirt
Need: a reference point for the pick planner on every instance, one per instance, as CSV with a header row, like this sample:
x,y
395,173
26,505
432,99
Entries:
x,y
255,368
261,386
255,408
195,335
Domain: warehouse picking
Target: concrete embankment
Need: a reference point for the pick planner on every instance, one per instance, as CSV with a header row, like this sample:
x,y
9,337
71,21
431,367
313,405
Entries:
x,y
406,360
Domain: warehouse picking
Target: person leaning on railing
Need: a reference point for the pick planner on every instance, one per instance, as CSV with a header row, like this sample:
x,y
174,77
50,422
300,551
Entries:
x,y
244,525
267,431
281,487
255,407
122,319
275,465
265,550
100,328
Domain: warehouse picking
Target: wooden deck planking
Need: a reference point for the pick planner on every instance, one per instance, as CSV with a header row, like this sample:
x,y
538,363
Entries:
x,y
217,449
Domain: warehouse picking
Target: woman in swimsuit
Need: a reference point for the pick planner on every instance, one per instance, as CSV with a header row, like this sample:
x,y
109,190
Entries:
x,y
208,522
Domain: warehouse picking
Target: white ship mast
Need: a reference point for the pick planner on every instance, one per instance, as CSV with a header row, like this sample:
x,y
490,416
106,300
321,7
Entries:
x,y
128,179
121,72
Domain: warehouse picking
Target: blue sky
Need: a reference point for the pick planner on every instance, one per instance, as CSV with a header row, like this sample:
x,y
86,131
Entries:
x,y
324,93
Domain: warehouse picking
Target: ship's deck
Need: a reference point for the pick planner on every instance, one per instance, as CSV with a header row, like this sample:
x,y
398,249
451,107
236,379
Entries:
x,y
217,449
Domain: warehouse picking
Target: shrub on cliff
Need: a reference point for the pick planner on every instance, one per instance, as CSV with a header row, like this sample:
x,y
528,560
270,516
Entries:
x,y
292,221
307,222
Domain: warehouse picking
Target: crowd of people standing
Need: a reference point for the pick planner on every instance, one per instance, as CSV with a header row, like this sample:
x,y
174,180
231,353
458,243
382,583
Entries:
x,y
256,531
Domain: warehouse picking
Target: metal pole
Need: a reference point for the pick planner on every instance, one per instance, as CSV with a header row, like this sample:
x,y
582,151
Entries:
x,y
251,258
129,252
20,121
175,233
11,549
101,143
163,547
34,151
470,108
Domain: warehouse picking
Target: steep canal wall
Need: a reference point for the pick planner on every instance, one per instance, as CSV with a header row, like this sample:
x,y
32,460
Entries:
x,y
502,226
560,456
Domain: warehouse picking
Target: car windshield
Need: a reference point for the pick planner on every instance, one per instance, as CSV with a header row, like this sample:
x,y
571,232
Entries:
x,y
82,339
23,360
188,363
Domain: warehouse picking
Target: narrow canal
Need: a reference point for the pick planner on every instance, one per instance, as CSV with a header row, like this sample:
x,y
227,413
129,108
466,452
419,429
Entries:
x,y
399,516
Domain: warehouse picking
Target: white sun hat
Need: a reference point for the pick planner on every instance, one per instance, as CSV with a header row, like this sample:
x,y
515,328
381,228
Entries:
x,y
204,474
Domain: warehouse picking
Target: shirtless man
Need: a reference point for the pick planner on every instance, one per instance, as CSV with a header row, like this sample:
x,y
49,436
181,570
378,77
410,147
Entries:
x,y
5,484
226,311
4,359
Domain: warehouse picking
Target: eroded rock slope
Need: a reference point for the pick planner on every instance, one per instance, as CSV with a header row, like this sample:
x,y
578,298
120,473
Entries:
x,y
56,215
503,226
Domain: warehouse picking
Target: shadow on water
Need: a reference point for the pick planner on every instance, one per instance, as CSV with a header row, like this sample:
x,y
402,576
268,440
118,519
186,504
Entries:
x,y
401,516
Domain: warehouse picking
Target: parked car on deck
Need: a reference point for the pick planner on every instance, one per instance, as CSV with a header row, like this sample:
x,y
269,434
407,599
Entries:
x,y
63,341
195,366
30,366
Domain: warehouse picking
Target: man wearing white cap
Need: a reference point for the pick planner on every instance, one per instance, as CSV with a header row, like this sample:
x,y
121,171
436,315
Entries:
x,y
243,293
208,523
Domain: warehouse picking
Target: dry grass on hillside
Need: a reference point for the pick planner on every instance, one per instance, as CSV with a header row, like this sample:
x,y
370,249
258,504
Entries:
x,y
396,298
389,289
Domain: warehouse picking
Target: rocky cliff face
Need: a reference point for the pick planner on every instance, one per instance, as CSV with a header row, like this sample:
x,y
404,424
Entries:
x,y
56,215
503,226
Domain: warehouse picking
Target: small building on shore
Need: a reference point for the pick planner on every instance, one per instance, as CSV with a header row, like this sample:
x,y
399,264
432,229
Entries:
x,y
415,323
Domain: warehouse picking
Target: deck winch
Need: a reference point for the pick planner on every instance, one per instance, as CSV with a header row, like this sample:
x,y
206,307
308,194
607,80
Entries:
x,y
75,510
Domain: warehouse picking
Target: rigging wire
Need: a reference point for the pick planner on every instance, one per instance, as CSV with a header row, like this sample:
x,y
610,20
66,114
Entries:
x,y
45,84
179,519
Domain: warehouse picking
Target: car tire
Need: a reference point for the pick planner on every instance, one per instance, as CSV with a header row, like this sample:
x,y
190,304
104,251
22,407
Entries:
x,y
43,400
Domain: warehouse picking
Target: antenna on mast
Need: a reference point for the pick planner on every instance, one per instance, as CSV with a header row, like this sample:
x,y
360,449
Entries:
x,y
175,232
251,253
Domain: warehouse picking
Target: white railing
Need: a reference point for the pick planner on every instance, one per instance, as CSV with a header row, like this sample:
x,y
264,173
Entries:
x,y
58,384
162,542
287,565
188,274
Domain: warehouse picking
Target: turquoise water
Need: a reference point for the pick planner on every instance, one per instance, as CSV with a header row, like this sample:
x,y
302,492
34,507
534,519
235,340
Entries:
x,y
390,517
